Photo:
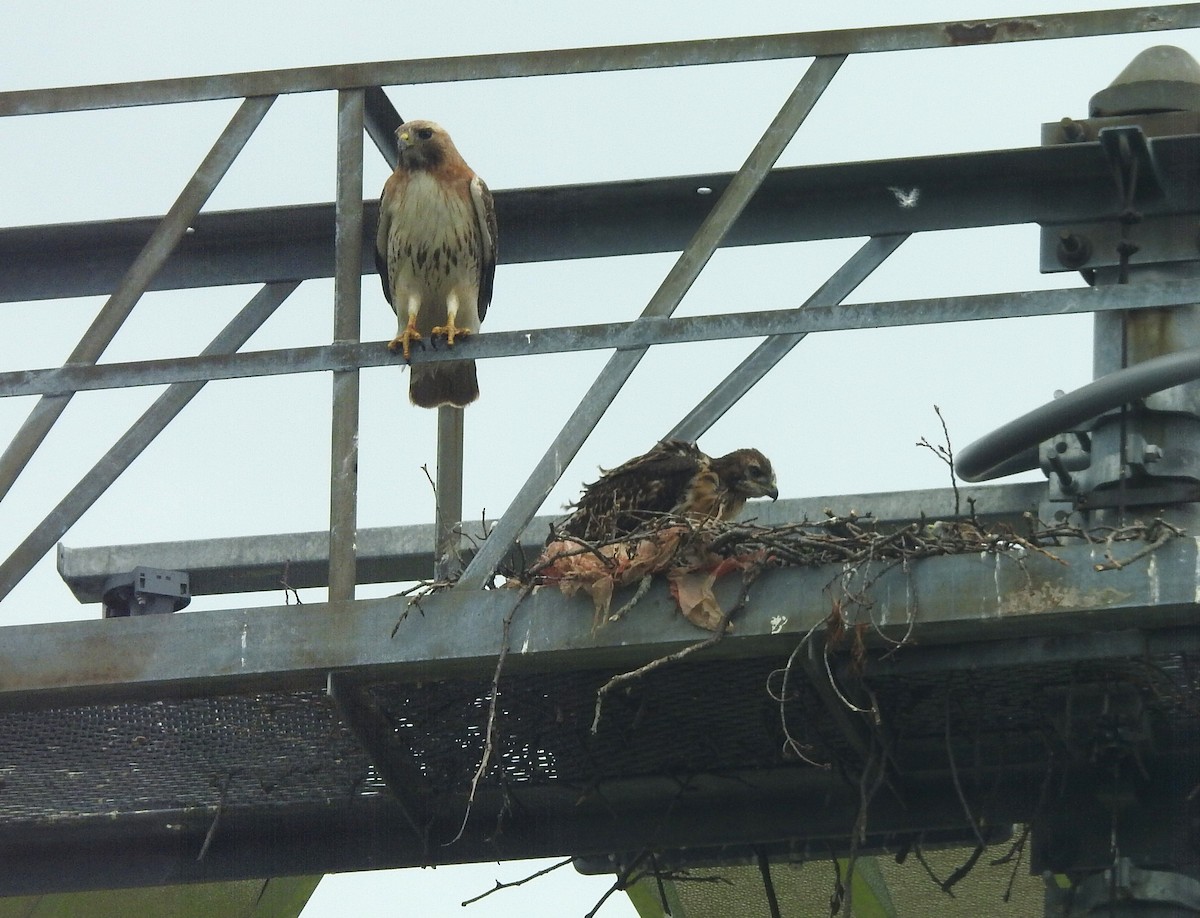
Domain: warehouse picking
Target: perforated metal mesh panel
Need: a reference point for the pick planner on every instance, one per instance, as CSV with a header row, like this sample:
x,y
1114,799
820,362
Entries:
x,y
124,759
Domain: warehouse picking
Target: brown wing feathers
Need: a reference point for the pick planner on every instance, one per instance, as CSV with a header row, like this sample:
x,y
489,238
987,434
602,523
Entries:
x,y
673,477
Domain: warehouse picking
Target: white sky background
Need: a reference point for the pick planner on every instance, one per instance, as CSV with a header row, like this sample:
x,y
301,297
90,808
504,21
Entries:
x,y
840,415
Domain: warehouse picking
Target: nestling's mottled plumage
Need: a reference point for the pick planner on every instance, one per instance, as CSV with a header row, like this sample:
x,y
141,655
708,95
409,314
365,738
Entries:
x,y
673,477
436,255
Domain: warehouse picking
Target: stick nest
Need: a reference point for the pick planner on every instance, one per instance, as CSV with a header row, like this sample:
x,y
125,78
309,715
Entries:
x,y
693,555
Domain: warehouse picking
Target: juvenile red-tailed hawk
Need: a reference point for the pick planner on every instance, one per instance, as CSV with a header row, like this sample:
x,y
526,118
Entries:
x,y
673,477
436,255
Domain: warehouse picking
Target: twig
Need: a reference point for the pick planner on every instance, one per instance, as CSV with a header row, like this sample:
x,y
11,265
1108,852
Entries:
x,y
1015,853
962,798
489,733
859,835
839,888
287,587
212,829
946,454
621,882
964,869
533,876
789,740
841,696
764,870
1112,564
716,637
612,889
929,870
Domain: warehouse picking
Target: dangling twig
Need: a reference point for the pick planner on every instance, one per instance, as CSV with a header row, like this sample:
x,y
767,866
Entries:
x,y
509,885
489,733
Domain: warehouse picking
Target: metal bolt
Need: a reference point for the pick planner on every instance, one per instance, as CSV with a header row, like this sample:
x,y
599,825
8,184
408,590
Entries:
x,y
1151,452
1073,131
1073,251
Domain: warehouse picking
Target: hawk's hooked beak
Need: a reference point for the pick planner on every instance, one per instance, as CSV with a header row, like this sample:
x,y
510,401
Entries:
x,y
772,492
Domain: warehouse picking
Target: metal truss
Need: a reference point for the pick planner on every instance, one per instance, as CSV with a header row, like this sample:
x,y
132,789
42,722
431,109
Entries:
x,y
346,675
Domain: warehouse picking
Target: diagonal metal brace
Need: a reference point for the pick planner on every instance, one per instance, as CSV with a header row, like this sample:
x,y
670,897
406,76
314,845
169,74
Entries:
x,y
151,258
664,302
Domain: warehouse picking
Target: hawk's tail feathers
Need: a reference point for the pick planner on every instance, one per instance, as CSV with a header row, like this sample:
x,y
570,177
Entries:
x,y
443,384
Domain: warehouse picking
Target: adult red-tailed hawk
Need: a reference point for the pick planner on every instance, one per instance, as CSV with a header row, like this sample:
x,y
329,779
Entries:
x,y
674,477
436,255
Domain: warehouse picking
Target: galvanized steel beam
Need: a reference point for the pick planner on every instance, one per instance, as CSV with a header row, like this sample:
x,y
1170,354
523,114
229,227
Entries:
x,y
662,304
117,308
1065,184
639,333
381,120
592,60
135,440
457,633
347,324
394,554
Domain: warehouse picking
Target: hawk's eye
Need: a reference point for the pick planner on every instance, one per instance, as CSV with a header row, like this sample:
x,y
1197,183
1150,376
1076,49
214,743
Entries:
x,y
425,133
754,469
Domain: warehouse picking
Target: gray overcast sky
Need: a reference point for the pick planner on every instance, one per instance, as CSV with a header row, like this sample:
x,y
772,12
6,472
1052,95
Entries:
x,y
840,416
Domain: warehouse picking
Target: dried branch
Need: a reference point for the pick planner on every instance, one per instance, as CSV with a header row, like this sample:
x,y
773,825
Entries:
x,y
289,591
962,798
859,834
1168,533
533,876
1015,854
212,829
929,870
623,881
964,869
489,733
764,870
946,454
789,742
715,638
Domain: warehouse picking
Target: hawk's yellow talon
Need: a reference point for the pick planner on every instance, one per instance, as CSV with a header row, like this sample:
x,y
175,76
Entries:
x,y
404,340
450,331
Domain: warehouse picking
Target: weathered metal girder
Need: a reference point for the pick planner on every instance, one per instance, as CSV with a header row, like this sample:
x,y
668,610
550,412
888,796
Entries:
x,y
591,60
1055,185
129,737
967,598
394,554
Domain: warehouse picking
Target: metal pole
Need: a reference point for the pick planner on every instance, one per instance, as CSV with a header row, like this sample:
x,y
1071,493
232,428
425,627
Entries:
x,y
343,467
449,507
156,251
747,374
135,440
677,282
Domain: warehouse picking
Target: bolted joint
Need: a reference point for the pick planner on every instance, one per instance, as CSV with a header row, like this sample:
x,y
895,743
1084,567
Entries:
x,y
1073,251
1073,131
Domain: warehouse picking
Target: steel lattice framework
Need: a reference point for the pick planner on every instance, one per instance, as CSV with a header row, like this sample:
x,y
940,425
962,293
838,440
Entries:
x,y
343,735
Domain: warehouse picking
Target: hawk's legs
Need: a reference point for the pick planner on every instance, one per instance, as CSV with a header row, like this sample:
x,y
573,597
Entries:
x,y
450,329
404,339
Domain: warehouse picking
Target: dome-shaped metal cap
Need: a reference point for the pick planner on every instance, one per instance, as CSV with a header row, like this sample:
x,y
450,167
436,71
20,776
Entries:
x,y
1160,79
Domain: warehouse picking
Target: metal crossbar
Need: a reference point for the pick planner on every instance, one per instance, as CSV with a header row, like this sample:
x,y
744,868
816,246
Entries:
x,y
603,59
364,108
